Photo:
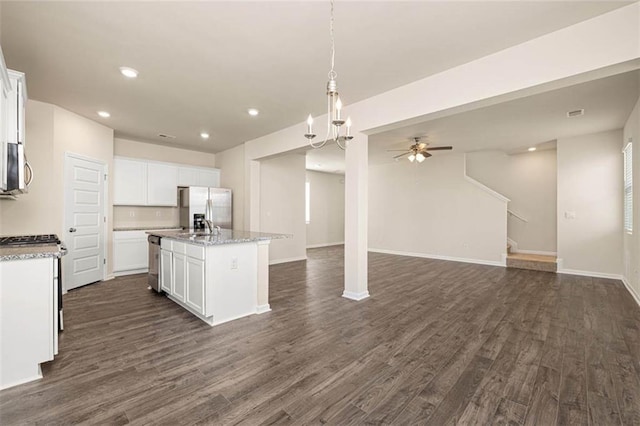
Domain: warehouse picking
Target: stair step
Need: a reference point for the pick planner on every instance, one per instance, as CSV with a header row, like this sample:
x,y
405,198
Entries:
x,y
534,262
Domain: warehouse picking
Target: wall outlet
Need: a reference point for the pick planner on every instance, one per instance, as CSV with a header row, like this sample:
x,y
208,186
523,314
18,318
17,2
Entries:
x,y
132,213
158,213
569,215
234,263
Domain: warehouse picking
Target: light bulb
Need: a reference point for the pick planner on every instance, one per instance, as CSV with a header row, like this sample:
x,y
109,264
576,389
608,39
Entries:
x,y
338,108
348,123
533,148
412,157
420,157
309,124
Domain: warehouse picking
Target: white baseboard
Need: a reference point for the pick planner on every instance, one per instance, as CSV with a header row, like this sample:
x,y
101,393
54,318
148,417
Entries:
x,y
438,257
338,243
630,289
130,272
540,252
261,309
589,274
355,296
23,380
291,259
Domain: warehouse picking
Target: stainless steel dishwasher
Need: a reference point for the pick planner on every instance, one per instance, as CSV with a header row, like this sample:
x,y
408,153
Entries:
x,y
154,263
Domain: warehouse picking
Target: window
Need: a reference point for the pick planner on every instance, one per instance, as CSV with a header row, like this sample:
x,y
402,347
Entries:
x,y
628,188
307,202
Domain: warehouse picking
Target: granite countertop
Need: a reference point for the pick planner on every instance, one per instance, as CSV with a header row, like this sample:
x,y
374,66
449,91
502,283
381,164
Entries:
x,y
32,252
145,228
226,236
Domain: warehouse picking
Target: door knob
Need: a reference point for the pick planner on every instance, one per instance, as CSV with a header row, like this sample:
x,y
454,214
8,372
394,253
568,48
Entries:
x,y
72,229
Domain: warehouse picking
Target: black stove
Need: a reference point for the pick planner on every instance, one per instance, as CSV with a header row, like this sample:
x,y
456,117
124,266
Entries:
x,y
29,240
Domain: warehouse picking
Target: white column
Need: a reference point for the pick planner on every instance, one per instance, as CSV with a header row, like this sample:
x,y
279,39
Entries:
x,y
356,218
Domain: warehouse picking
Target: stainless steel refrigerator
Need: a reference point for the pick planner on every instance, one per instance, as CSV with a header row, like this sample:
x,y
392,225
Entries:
x,y
193,205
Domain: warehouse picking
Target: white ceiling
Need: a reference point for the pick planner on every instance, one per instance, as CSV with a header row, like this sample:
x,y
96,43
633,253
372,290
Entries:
x,y
202,64
510,126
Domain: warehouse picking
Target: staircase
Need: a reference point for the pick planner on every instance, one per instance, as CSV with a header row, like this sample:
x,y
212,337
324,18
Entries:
x,y
533,262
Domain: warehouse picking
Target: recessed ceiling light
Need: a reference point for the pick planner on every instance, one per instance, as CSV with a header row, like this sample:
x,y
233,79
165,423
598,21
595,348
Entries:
x,y
533,148
104,114
204,135
128,72
253,112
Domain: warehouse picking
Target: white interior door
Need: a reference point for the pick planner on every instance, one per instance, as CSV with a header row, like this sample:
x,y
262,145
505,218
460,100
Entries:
x,y
84,221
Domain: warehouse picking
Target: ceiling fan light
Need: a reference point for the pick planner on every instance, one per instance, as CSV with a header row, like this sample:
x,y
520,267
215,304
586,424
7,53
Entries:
x,y
412,157
420,157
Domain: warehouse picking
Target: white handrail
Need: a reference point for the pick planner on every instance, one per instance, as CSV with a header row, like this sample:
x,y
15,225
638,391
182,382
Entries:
x,y
512,213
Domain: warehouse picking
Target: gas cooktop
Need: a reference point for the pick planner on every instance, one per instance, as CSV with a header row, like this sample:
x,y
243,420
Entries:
x,y
29,240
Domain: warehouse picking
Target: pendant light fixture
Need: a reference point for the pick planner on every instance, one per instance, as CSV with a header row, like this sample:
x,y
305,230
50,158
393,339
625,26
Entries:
x,y
334,107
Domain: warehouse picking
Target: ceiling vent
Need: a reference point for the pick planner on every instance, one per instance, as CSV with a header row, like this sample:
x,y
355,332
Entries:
x,y
575,113
162,135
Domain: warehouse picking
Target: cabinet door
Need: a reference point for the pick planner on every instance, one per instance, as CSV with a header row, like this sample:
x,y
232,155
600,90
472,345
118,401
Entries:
x,y
162,185
210,178
129,182
187,176
179,276
130,254
195,284
166,269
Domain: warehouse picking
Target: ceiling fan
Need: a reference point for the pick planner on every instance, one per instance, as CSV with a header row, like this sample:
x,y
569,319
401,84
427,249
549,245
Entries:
x,y
419,150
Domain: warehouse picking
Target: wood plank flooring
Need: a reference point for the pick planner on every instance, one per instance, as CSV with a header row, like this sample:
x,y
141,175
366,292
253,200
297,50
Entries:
x,y
437,343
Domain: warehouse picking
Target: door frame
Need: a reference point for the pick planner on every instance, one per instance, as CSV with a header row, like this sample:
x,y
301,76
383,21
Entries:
x,y
68,155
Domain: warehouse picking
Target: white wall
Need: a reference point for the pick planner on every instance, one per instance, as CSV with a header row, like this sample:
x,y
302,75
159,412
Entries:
x,y
231,164
431,210
327,209
631,243
590,185
50,132
529,180
282,206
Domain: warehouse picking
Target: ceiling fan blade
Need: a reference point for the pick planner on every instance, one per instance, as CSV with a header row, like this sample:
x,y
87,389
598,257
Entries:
x,y
426,154
439,148
402,155
392,150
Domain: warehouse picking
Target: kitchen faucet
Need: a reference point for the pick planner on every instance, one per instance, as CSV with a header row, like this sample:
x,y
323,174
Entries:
x,y
211,227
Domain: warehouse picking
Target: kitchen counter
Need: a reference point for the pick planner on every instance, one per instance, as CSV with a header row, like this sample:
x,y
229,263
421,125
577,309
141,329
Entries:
x,y
146,228
32,252
226,236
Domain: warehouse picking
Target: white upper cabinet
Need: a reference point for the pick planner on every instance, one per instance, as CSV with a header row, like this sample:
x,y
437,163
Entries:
x,y
139,182
162,181
210,178
129,182
16,112
197,176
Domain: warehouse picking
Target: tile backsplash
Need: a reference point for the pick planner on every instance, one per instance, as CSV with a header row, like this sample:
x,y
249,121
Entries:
x,y
133,216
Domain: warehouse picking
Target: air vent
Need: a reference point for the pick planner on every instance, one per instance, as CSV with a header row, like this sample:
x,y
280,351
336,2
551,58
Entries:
x,y
575,113
162,135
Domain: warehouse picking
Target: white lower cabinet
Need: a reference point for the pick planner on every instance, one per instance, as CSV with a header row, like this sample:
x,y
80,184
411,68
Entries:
x,y
179,276
166,270
28,318
195,284
130,252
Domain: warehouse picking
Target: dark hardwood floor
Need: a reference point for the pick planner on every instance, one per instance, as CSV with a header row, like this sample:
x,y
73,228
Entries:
x,y
437,343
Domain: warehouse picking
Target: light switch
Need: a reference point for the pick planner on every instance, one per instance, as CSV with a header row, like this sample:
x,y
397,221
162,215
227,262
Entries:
x,y
234,263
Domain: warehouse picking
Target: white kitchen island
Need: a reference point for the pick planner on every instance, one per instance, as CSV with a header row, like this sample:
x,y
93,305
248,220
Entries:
x,y
218,277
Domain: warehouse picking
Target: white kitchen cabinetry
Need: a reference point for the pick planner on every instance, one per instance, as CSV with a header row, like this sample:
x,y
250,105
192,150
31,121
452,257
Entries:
x,y
28,318
179,276
166,270
151,183
130,252
129,182
198,176
195,284
162,184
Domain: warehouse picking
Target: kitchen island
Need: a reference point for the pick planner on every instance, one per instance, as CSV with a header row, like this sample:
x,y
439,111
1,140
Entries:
x,y
217,276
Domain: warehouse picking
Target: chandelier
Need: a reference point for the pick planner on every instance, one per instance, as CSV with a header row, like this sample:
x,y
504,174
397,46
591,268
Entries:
x,y
334,107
